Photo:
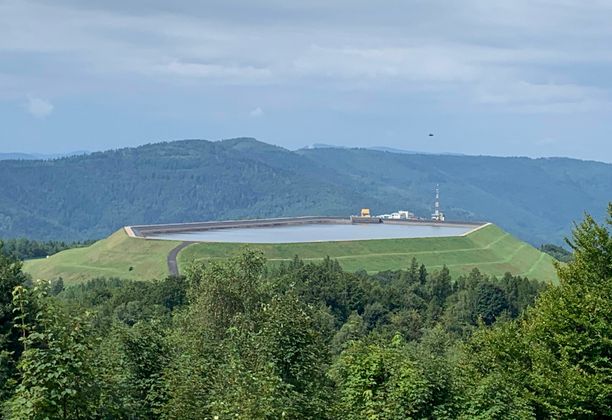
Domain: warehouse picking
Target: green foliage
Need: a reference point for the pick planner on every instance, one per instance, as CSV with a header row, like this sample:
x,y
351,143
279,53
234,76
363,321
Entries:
x,y
435,355
480,298
573,326
438,289
237,340
10,277
353,330
246,349
324,284
222,291
57,287
554,363
57,369
24,249
380,381
592,246
488,392
145,353
490,301
558,252
308,340
114,299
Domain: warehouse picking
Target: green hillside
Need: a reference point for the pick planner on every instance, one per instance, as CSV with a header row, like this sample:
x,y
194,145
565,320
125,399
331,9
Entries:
x,y
111,257
490,249
197,180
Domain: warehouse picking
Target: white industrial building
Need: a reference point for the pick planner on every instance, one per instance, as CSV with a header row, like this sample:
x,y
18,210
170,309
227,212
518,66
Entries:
x,y
400,215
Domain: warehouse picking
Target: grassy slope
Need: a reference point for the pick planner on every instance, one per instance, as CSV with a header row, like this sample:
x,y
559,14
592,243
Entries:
x,y
490,249
111,257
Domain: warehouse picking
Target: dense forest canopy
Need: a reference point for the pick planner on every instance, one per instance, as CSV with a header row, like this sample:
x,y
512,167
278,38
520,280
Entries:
x,y
24,249
234,339
558,252
90,196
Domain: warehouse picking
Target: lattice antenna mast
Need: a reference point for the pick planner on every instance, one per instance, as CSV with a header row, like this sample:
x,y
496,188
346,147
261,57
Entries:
x,y
437,215
437,204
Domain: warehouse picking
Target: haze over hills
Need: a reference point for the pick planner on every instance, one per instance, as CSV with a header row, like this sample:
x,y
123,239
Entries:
x,y
90,196
378,148
38,156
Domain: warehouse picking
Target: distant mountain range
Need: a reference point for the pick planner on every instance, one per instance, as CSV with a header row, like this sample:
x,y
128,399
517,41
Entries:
x,y
378,148
38,156
90,196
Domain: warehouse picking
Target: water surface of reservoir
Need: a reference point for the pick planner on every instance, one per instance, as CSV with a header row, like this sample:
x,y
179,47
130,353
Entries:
x,y
317,233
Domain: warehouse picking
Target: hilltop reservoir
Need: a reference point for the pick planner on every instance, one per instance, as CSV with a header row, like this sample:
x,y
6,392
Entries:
x,y
300,230
402,224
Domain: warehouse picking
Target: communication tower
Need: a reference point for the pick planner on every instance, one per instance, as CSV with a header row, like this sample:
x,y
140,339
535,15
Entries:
x,y
437,215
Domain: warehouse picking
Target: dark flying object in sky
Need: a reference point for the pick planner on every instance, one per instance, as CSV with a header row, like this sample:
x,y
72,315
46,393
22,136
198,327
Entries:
x,y
430,135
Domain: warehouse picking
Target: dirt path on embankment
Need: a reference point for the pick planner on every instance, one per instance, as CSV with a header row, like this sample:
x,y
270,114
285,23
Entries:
x,y
172,263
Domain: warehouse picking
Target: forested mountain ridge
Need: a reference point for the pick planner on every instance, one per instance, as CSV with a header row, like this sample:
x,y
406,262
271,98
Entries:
x,y
90,196
535,199
38,156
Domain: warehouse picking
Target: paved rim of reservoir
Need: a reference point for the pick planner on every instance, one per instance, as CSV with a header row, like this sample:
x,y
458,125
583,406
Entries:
x,y
149,231
314,233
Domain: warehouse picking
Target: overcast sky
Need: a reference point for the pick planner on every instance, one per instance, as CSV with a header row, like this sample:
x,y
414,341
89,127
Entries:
x,y
504,77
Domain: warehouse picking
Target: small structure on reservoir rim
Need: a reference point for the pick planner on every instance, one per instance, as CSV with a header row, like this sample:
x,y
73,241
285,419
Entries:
x,y
365,217
437,215
399,215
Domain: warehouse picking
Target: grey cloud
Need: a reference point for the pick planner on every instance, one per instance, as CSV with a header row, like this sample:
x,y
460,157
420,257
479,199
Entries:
x,y
477,48
528,97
